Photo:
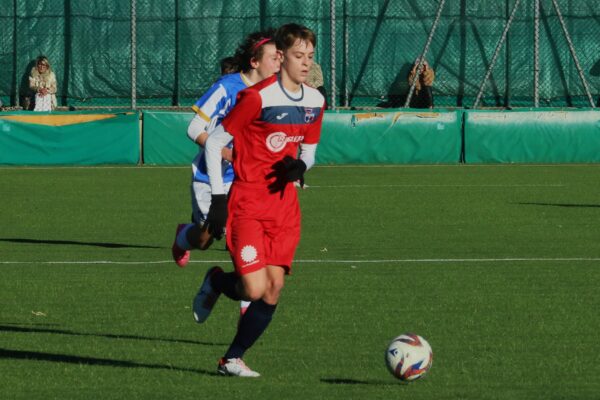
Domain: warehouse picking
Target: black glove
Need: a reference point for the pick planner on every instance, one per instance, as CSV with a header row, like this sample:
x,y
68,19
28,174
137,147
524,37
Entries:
x,y
217,215
289,169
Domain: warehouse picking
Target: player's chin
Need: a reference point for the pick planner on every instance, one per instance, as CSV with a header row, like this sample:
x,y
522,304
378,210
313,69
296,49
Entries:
x,y
301,78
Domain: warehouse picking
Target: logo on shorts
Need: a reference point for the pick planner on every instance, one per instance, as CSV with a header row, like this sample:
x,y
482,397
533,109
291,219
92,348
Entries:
x,y
276,141
248,254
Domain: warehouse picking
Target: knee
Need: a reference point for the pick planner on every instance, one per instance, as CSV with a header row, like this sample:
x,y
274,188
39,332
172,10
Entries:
x,y
254,291
275,286
273,291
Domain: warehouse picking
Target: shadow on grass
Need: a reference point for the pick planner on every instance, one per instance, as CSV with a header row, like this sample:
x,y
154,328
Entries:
x,y
26,324
64,358
574,205
78,243
21,329
346,381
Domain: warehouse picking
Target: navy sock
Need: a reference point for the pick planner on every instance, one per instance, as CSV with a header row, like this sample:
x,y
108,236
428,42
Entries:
x,y
226,283
252,325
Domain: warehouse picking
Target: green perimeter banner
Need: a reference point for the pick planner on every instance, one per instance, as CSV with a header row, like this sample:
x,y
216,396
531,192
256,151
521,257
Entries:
x,y
408,136
82,138
532,136
165,138
392,137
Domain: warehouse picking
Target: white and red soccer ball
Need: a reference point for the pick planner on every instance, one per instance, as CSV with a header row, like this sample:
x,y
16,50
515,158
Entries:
x,y
409,357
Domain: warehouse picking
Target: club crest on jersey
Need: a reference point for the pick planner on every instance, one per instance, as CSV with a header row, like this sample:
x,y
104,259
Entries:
x,y
309,115
276,141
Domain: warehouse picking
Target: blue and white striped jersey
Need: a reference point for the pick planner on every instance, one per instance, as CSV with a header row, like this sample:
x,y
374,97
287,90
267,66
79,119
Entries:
x,y
212,107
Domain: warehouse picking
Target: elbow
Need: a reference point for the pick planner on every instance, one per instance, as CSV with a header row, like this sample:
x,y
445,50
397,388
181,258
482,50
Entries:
x,y
192,134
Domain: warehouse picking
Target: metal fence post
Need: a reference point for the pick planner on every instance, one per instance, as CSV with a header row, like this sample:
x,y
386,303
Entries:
x,y
346,54
16,81
133,56
536,53
333,60
176,79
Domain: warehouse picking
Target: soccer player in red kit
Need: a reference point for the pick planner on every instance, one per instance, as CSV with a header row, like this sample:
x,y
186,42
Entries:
x,y
271,121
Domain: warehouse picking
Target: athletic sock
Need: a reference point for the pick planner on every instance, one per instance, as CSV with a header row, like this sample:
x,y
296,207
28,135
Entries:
x,y
182,240
226,283
252,325
244,306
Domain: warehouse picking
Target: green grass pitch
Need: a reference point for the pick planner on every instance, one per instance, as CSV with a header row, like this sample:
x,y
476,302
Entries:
x,y
498,267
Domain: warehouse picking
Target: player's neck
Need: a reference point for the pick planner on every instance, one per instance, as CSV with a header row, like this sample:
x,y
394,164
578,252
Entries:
x,y
251,77
289,84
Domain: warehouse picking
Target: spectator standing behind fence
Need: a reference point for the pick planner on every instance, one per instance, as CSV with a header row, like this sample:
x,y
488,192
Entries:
x,y
315,79
423,94
42,81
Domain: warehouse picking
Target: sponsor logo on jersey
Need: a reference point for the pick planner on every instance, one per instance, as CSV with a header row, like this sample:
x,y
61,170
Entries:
x,y
276,141
309,115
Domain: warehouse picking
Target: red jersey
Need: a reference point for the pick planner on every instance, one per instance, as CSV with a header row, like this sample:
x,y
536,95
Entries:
x,y
268,123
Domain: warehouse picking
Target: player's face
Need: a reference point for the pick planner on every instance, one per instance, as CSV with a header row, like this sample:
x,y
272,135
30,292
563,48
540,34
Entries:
x,y
297,61
269,63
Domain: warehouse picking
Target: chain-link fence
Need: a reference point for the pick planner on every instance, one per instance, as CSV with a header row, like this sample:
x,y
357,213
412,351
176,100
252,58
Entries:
x,y
463,46
148,53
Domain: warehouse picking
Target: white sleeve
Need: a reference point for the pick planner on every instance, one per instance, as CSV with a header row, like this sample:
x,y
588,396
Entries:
x,y
307,154
196,127
217,139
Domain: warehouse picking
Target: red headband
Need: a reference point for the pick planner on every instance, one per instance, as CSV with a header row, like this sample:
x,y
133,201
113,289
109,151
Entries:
x,y
260,43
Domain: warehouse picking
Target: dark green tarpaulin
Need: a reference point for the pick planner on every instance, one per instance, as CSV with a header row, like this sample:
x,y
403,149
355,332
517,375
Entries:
x,y
179,44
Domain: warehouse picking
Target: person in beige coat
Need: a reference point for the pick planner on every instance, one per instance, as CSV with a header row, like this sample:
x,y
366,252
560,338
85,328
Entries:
x,y
423,94
42,81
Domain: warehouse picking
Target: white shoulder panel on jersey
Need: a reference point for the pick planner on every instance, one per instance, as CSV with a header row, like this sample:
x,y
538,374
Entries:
x,y
274,96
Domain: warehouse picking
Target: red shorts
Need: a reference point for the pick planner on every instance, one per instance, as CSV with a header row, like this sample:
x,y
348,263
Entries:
x,y
262,228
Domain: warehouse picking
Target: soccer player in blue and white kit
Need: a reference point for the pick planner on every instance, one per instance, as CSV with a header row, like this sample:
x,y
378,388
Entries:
x,y
257,58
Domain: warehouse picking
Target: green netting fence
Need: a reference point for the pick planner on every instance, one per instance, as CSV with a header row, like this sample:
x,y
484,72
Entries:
x,y
143,53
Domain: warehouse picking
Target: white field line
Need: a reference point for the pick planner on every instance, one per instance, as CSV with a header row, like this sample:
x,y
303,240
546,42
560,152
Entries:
x,y
433,186
400,166
324,261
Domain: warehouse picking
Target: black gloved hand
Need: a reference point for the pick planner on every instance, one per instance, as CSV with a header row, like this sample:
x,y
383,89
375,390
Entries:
x,y
289,169
217,215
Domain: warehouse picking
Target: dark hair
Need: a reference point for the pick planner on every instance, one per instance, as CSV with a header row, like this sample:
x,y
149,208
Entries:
x,y
252,48
287,35
228,65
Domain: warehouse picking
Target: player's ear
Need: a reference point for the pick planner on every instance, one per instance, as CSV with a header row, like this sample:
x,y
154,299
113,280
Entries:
x,y
254,63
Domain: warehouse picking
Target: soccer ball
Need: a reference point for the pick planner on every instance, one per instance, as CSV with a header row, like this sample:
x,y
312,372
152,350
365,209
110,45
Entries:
x,y
409,357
